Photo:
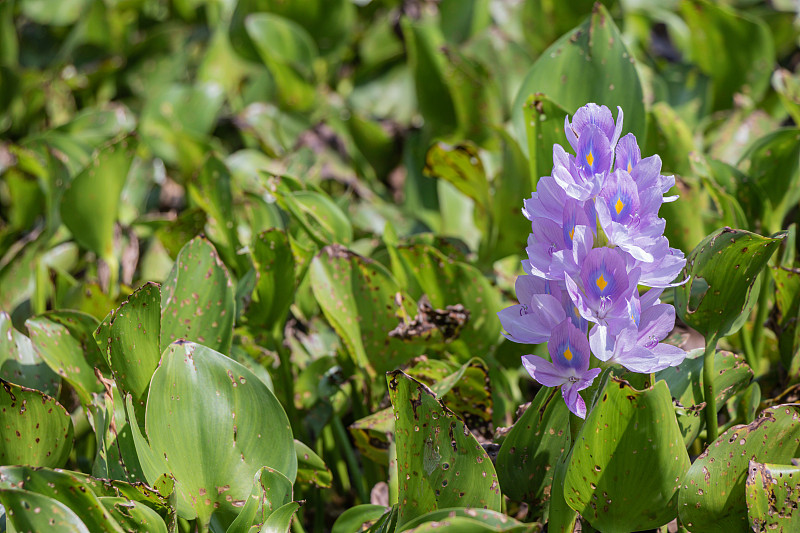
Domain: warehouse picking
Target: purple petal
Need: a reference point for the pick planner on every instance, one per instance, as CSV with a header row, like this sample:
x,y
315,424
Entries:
x,y
595,115
594,153
618,127
543,371
569,349
627,153
573,400
570,133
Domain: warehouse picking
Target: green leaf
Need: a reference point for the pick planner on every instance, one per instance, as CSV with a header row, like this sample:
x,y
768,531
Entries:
x,y
712,30
310,467
65,354
488,520
773,163
275,289
318,214
788,88
629,435
200,399
772,495
116,456
134,350
271,490
64,487
34,428
432,439
211,190
90,205
134,516
357,297
47,14
55,516
449,283
685,381
724,282
544,127
589,64
357,518
712,497
787,317
288,52
536,441
281,520
19,362
197,299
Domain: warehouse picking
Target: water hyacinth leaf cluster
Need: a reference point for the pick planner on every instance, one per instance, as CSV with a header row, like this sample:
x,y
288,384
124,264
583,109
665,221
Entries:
x,y
596,237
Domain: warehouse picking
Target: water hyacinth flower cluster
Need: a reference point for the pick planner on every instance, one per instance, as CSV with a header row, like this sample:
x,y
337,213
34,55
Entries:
x,y
595,239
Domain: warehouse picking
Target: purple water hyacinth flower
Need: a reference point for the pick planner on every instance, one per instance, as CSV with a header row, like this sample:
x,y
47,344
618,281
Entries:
x,y
546,202
638,347
629,216
539,311
603,287
569,352
593,115
582,176
556,249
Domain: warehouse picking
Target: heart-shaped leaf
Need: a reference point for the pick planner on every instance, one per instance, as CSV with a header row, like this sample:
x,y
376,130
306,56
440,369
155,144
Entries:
x,y
199,399
198,299
724,281
629,435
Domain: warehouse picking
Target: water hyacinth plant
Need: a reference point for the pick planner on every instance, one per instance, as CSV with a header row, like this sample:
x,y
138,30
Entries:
x,y
595,238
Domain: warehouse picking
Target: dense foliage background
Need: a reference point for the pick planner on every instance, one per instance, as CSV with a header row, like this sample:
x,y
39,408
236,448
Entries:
x,y
313,193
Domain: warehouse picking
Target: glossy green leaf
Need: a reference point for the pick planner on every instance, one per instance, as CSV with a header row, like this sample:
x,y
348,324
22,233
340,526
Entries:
x,y
685,383
772,494
281,520
19,362
544,127
310,467
536,441
432,439
464,523
589,64
90,205
135,331
134,516
64,487
116,456
211,190
358,518
197,299
34,428
490,520
712,496
65,354
198,399
53,514
357,296
714,29
319,216
628,435
275,289
724,282
271,490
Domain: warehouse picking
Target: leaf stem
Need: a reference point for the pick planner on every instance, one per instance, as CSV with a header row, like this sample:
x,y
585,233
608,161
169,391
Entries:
x,y
708,390
344,445
761,317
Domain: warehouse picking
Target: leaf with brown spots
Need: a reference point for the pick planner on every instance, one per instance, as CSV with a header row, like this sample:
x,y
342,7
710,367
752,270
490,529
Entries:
x,y
712,497
773,497
439,462
19,362
34,428
628,460
198,299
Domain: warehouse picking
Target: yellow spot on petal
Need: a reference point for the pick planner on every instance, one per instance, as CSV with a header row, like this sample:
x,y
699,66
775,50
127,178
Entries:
x,y
590,159
619,206
568,354
572,234
601,282
629,167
